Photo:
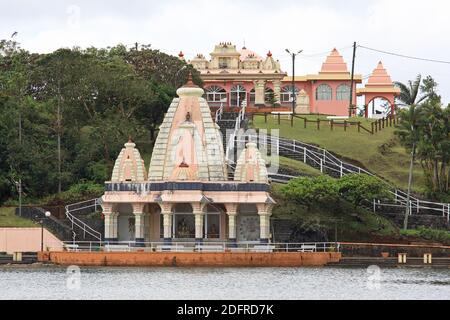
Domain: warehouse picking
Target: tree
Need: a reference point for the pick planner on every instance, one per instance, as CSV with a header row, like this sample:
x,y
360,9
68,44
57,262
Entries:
x,y
73,110
425,130
312,191
357,188
409,94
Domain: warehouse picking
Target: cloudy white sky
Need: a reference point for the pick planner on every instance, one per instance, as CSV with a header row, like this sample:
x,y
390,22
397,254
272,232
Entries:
x,y
412,27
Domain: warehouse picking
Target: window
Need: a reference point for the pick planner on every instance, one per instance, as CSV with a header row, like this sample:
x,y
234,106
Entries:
x,y
215,94
324,92
238,95
252,96
343,92
269,96
286,94
223,63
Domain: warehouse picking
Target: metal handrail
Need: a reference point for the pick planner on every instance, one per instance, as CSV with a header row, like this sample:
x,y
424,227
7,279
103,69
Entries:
x,y
192,246
326,160
80,224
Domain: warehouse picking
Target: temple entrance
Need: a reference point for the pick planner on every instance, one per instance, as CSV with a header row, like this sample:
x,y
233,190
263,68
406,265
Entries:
x,y
248,229
183,222
125,223
378,108
212,223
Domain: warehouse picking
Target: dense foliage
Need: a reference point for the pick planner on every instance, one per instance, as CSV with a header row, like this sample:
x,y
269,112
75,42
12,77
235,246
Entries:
x,y
64,116
356,188
425,129
322,190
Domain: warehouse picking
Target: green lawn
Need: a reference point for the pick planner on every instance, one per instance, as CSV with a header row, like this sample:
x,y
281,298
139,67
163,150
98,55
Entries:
x,y
299,166
380,153
9,219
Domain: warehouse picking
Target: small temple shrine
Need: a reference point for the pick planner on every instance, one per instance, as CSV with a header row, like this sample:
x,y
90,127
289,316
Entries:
x,y
187,195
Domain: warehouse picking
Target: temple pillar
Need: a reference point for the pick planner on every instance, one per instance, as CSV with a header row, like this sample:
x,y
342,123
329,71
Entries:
x,y
260,89
277,92
110,223
139,217
232,213
264,212
199,219
166,212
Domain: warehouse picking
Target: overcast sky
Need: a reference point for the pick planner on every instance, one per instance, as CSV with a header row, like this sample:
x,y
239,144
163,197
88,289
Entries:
x,y
411,27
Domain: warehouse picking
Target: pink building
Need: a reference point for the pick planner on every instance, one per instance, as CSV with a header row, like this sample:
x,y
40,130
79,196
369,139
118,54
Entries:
x,y
236,78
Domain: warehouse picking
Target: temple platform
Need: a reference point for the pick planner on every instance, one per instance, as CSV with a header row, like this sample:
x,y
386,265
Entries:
x,y
191,259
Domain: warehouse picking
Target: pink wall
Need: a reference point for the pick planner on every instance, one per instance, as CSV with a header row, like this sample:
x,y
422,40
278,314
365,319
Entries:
x,y
331,107
26,240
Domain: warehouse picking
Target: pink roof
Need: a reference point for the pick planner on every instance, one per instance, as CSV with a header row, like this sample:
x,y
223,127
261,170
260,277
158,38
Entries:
x,y
379,77
245,53
334,64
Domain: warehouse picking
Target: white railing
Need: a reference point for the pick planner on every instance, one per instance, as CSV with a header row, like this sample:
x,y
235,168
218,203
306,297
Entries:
x,y
219,113
84,207
191,246
329,164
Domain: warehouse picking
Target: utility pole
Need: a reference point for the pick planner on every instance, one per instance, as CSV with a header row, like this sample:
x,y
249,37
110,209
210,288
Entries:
x,y
408,197
350,108
293,79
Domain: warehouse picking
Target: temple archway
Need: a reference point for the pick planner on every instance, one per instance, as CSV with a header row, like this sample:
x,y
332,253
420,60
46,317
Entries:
x,y
379,107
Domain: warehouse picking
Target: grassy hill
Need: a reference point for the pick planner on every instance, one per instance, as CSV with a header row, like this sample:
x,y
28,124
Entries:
x,y
9,219
380,153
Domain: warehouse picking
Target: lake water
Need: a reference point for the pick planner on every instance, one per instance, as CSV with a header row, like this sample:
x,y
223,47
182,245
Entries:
x,y
49,282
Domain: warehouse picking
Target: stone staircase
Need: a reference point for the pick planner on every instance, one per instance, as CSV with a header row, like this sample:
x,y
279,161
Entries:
x,y
62,227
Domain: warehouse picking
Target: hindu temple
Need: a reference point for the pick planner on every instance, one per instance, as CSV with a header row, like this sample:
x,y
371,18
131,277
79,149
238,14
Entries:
x,y
186,194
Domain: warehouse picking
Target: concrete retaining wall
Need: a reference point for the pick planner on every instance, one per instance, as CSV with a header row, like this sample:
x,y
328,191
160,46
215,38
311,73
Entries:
x,y
26,240
167,259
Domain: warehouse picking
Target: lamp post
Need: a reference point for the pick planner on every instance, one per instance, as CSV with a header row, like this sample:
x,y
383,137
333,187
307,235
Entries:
x,y
293,78
47,215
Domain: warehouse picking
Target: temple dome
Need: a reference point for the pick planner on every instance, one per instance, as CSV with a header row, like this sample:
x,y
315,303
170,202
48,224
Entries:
x,y
190,89
246,53
251,166
188,146
334,63
129,166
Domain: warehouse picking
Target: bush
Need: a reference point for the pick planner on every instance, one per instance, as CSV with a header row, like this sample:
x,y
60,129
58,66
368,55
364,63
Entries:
x,y
355,188
309,191
441,236
77,193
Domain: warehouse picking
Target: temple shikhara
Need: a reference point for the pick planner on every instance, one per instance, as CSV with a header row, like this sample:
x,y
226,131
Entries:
x,y
187,193
243,78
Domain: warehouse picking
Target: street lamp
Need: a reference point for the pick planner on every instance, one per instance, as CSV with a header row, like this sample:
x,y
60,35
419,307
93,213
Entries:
x,y
293,78
47,215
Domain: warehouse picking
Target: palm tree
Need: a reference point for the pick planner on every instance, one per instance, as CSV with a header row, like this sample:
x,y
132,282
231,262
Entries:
x,y
409,134
409,94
